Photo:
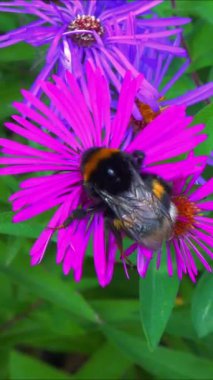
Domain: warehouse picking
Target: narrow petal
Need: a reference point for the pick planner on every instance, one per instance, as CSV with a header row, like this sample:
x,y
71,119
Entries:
x,y
203,191
170,119
204,219
70,111
76,251
53,124
189,260
38,250
201,245
124,109
100,260
143,260
203,237
199,255
38,208
192,97
64,234
181,268
169,259
206,206
170,171
135,7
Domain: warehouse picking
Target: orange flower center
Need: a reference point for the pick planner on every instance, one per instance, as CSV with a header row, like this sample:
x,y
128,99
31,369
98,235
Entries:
x,y
186,215
85,22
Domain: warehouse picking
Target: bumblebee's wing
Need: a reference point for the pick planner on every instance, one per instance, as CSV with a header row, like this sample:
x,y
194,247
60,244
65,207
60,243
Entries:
x,y
139,211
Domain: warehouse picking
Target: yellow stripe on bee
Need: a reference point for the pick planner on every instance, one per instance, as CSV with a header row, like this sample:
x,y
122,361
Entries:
x,y
93,161
158,189
123,224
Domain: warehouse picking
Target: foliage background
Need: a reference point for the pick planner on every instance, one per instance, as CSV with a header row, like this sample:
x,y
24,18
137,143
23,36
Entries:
x,y
52,328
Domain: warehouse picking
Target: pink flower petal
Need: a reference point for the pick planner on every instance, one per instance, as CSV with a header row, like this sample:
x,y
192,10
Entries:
x,y
199,255
103,265
38,249
203,191
124,109
205,206
169,259
144,257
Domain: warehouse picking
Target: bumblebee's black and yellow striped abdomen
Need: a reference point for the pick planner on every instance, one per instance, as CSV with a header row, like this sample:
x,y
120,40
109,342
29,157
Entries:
x,y
159,188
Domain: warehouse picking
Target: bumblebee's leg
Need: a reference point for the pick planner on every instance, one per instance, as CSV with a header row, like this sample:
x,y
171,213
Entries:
x,y
119,241
138,158
77,214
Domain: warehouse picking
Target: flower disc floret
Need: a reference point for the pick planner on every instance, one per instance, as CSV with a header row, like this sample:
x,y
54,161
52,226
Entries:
x,y
186,211
85,23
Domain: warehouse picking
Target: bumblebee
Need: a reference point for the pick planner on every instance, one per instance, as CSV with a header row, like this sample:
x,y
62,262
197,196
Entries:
x,y
132,202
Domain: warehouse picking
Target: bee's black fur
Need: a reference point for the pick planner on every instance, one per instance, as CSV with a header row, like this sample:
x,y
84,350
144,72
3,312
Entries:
x,y
112,174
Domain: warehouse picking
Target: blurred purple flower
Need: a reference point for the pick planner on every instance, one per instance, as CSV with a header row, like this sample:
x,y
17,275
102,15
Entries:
x,y
57,151
99,30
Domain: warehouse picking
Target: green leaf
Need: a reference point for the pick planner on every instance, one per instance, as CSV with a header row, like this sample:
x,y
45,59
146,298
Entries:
x,y
157,297
7,298
24,367
180,324
106,363
205,116
201,51
164,363
13,248
204,9
34,332
117,310
11,183
10,91
4,364
202,306
179,87
16,53
49,287
26,229
7,22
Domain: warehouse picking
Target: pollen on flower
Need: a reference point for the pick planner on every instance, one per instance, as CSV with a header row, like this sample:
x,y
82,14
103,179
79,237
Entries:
x,y
186,215
147,114
85,22
146,111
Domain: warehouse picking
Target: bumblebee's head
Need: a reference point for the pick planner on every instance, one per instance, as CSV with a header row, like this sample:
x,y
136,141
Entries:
x,y
106,169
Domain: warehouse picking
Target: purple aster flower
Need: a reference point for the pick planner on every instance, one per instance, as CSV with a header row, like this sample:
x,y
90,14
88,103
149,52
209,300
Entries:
x,y
78,30
157,68
57,151
156,71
